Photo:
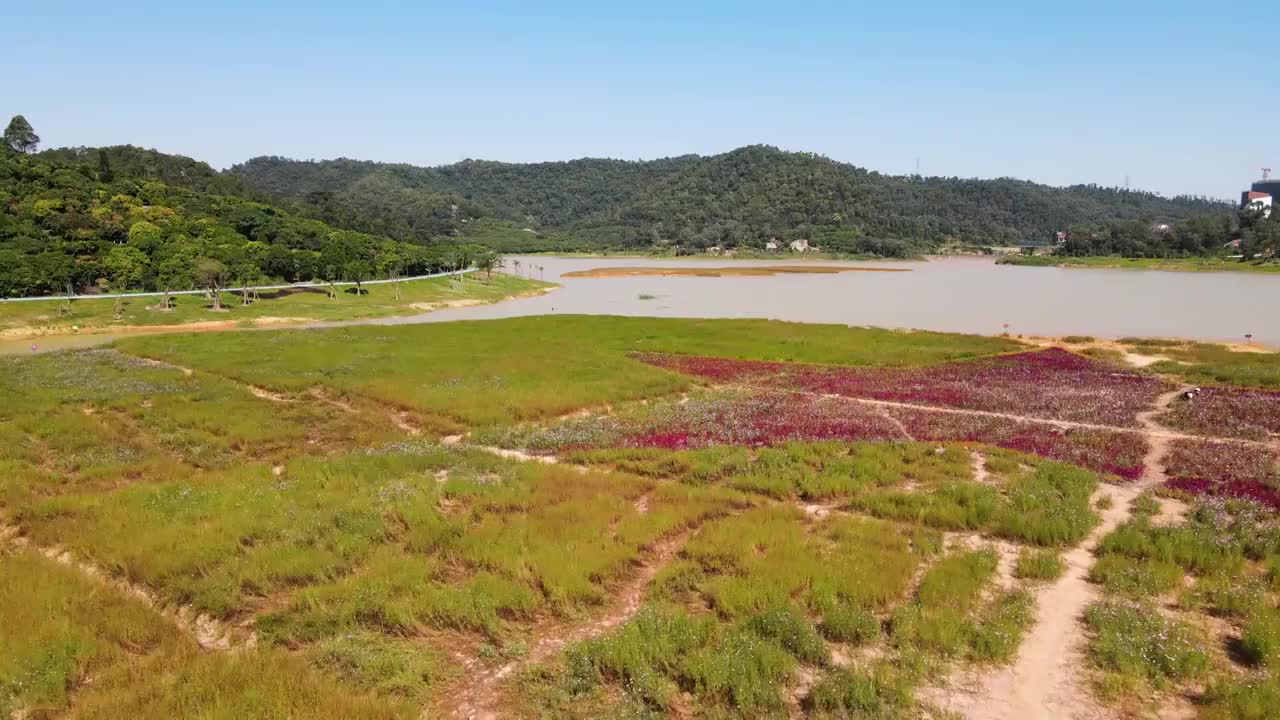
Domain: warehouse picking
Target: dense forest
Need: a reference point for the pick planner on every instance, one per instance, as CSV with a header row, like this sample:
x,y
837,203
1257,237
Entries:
x,y
743,198
107,219
127,218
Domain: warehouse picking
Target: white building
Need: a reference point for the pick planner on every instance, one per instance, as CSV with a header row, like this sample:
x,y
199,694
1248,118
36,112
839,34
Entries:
x,y
1258,201
800,246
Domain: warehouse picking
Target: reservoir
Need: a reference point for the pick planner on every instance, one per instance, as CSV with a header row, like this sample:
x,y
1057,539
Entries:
x,y
956,294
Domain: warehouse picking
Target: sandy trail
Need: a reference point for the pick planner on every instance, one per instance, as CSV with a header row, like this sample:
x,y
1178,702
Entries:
x,y
208,632
1048,678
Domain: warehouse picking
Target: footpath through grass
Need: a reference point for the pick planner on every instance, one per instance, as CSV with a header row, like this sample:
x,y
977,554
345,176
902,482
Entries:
x,y
18,319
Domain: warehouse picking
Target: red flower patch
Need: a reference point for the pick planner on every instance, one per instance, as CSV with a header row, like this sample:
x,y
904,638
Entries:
x,y
1218,469
1053,383
1115,452
1229,412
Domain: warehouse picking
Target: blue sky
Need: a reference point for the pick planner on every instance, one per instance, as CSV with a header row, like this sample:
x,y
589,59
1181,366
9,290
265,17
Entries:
x,y
1181,97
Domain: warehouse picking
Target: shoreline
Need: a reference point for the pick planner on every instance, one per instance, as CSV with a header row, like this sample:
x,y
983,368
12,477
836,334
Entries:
x,y
1115,262
23,334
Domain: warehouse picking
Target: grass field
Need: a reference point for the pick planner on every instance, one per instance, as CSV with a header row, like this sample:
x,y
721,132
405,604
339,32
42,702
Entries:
x,y
534,518
271,307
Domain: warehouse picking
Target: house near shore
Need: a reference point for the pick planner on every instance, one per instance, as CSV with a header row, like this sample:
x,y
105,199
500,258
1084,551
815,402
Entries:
x,y
771,245
801,246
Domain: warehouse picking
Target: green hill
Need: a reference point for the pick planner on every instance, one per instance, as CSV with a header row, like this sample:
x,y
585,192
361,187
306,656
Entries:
x,y
741,198
142,220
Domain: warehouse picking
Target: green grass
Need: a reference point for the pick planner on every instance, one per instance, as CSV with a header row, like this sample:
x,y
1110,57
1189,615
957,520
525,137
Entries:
x,y
1135,578
90,315
1135,646
879,692
372,534
502,371
1047,505
949,617
61,634
1207,364
1250,698
1260,642
1188,264
1215,541
1038,565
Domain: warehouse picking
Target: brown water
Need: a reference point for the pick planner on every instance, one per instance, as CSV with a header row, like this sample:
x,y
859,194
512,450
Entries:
x,y
957,294
972,295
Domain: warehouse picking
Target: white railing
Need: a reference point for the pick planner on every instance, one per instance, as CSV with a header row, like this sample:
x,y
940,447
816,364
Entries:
x,y
249,288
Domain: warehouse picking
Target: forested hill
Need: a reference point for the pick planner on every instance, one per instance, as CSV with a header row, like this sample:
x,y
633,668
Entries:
x,y
132,219
744,197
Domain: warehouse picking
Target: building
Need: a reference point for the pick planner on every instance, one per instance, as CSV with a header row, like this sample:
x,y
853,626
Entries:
x,y
1262,195
800,246
771,245
1257,200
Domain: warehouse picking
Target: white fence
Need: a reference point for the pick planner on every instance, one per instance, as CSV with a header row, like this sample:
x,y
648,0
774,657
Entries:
x,y
250,288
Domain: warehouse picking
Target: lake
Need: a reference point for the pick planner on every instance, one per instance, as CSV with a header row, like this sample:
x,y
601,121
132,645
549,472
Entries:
x,y
957,294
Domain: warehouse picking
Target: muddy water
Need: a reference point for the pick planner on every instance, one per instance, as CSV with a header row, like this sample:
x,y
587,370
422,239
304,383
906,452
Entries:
x,y
972,295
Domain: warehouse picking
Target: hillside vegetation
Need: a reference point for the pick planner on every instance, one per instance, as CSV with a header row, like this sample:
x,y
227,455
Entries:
x,y
740,198
130,219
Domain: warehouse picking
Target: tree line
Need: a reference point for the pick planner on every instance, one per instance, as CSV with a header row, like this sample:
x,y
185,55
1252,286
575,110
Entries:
x,y
86,221
745,198
1247,234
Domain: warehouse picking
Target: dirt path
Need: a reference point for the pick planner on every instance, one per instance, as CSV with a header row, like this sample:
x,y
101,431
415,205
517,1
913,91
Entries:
x,y
207,631
1048,678
479,699
897,424
981,475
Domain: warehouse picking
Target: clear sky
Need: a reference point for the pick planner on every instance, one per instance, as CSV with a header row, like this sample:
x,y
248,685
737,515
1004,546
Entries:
x,y
1181,97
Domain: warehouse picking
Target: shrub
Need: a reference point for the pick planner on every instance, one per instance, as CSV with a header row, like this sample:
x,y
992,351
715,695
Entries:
x,y
789,629
1135,641
998,637
1038,565
849,692
1135,578
639,654
855,626
1260,643
741,670
942,631
1242,699
957,580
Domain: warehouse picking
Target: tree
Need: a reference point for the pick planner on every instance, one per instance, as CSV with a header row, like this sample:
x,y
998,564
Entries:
x,y
212,275
357,271
174,273
20,136
487,261
104,167
125,266
145,236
